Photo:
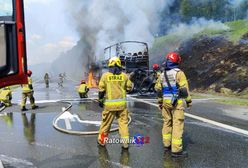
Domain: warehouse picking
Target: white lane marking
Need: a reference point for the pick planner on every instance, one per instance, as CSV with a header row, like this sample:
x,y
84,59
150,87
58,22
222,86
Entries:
x,y
98,123
235,129
74,117
57,90
118,164
58,100
15,162
67,124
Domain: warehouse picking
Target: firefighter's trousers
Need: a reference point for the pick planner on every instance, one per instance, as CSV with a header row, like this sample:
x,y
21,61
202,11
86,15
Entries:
x,y
47,83
107,119
29,95
173,126
83,95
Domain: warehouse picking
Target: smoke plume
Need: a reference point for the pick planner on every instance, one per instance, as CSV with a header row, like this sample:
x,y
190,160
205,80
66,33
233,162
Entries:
x,y
101,23
196,26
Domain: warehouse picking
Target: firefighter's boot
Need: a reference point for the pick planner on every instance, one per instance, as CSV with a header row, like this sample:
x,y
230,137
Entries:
x,y
35,107
24,109
179,154
125,146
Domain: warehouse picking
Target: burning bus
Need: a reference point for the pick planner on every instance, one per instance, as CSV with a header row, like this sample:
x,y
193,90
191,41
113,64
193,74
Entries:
x,y
134,56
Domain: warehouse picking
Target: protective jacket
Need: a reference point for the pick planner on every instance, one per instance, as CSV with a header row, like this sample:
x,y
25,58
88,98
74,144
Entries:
x,y
83,88
171,102
114,88
177,81
28,87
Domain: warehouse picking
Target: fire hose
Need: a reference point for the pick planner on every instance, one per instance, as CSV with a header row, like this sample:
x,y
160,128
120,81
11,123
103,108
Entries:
x,y
64,110
2,108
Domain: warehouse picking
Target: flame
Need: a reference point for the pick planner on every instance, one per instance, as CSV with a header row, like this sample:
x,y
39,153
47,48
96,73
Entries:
x,y
92,82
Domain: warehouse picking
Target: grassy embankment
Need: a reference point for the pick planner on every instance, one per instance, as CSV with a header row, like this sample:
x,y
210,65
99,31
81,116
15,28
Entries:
x,y
237,30
230,99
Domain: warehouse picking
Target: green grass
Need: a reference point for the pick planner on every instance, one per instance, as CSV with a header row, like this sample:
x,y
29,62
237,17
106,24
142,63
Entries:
x,y
231,99
234,101
237,29
210,33
199,96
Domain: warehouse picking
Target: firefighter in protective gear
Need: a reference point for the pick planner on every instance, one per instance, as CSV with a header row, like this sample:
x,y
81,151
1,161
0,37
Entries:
x,y
112,97
83,90
46,79
6,96
172,87
61,80
155,75
28,92
156,70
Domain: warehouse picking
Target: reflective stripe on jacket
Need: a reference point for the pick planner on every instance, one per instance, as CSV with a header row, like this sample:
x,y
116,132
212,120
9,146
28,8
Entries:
x,y
167,91
177,80
26,88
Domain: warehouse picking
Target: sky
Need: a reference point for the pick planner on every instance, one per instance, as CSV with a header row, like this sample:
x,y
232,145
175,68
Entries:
x,y
49,31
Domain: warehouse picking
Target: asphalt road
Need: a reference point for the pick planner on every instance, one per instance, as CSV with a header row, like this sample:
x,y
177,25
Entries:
x,y
30,140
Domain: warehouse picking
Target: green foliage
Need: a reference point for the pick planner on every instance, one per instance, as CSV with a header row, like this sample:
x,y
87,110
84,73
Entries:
x,y
171,42
212,9
237,29
234,101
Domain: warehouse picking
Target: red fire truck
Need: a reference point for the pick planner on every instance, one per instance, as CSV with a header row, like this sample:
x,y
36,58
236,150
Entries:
x,y
13,62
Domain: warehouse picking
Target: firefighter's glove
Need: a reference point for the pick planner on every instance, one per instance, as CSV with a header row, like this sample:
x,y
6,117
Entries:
x,y
30,86
101,103
189,104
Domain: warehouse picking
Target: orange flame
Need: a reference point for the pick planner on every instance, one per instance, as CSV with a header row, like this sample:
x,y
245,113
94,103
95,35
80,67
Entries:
x,y
92,83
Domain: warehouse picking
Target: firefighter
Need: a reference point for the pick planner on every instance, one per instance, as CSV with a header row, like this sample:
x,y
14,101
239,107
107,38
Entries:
x,y
46,79
156,70
155,75
83,90
6,96
172,88
61,80
27,91
112,97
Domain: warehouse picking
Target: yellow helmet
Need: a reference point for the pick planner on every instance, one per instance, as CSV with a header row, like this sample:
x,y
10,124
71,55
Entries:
x,y
114,61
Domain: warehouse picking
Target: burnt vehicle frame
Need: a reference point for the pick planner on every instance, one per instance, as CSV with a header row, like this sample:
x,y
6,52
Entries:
x,y
135,63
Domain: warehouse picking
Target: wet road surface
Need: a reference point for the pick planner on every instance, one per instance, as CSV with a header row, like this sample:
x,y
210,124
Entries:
x,y
30,140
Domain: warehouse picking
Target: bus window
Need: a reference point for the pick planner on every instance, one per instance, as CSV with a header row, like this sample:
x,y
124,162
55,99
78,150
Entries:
x,y
12,43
